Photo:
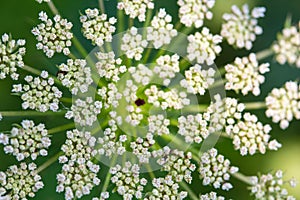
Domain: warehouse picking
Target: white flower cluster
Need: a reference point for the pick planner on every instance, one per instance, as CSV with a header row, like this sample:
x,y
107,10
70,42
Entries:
x,y
109,67
195,11
140,148
11,56
141,74
194,128
26,141
287,47
211,196
224,113
39,93
165,188
85,111
133,44
79,173
136,8
110,144
169,99
215,169
203,47
246,75
161,30
241,26
18,182
110,95
283,104
41,1
271,186
97,28
251,136
166,68
197,80
53,35
128,181
75,75
158,125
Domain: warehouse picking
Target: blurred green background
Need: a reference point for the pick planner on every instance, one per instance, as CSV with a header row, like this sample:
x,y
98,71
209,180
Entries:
x,y
19,16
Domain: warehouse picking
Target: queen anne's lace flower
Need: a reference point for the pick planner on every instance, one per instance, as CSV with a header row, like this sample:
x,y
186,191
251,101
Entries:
x,y
133,44
26,141
11,56
75,75
251,136
287,47
128,181
97,28
283,104
203,47
197,80
211,196
246,75
20,182
195,11
158,125
39,93
194,128
140,148
270,186
79,173
166,68
136,8
215,169
85,111
240,28
53,35
161,30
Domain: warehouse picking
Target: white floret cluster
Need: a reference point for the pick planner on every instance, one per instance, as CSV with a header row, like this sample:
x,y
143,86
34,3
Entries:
x,y
246,75
198,80
96,27
41,1
241,26
79,173
166,68
136,8
283,104
20,182
271,186
133,44
194,128
203,47
110,67
84,112
39,93
165,188
27,140
211,196
158,125
110,95
161,30
140,147
216,170
194,12
11,56
141,74
287,46
127,180
251,136
75,75
170,99
53,36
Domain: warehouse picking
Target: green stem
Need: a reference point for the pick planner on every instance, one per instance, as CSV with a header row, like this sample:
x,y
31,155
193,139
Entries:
x,y
242,177
101,6
195,108
48,162
108,175
264,54
61,128
38,72
53,8
152,175
255,105
217,84
188,189
29,113
66,100
130,23
79,47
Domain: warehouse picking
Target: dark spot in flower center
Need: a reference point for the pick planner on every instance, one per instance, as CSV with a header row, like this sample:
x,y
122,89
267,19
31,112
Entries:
x,y
139,102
